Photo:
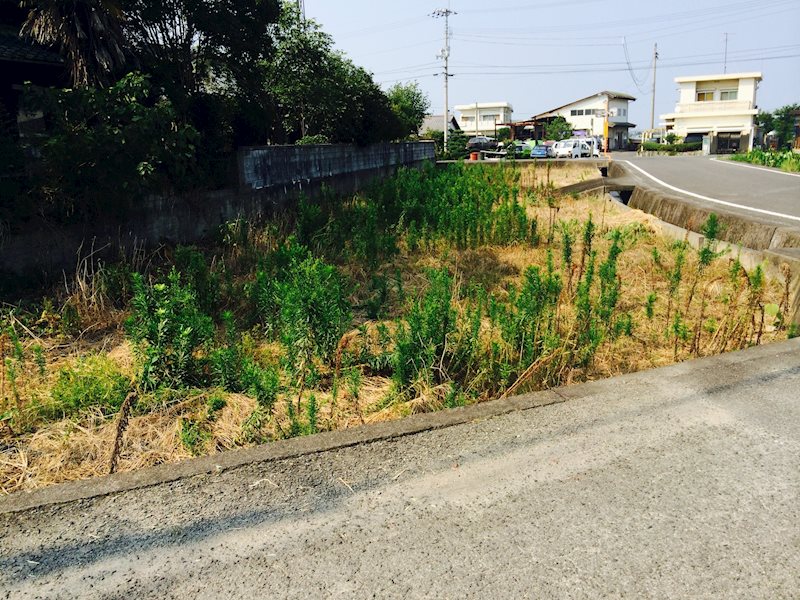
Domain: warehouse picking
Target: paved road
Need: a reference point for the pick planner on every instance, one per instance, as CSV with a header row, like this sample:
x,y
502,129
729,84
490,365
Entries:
x,y
681,482
763,189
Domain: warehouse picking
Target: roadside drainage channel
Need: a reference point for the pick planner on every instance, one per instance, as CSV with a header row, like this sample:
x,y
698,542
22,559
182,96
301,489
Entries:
x,y
755,242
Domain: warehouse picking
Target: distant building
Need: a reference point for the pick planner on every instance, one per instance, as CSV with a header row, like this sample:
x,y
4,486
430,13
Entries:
x,y
483,118
722,107
436,123
587,117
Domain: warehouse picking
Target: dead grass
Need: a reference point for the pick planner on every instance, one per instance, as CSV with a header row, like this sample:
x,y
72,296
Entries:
x,y
79,448
546,173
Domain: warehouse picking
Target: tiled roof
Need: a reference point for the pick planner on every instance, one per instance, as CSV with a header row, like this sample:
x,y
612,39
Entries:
x,y
16,49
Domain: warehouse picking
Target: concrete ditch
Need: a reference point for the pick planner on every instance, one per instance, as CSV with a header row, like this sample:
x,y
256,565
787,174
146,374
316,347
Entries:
x,y
755,241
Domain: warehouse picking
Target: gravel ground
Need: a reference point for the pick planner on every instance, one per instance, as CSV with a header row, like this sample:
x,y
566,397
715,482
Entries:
x,y
679,482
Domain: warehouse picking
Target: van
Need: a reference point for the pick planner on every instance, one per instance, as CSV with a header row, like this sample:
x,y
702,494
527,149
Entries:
x,y
572,149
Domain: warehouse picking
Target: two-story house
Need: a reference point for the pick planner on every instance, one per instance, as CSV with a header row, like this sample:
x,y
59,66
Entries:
x,y
587,116
722,107
483,118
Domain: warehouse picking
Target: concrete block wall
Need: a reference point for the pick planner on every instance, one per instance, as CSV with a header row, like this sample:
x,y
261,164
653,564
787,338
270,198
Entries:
x,y
270,178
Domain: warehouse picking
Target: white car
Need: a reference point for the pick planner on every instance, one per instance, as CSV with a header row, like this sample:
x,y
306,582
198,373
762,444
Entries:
x,y
572,149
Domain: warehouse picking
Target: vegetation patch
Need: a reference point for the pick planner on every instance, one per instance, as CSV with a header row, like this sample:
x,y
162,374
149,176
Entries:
x,y
785,160
436,288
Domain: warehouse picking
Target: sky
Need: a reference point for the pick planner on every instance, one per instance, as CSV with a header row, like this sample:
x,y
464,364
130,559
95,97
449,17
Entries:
x,y
539,55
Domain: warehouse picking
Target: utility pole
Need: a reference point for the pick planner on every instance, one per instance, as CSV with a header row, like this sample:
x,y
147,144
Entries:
x,y
725,60
445,12
301,7
653,99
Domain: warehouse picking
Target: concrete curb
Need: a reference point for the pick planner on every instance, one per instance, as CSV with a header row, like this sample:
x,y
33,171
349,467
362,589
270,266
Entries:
x,y
122,482
313,444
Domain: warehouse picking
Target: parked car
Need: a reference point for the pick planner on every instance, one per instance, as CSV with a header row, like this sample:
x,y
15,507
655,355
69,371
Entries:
x,y
572,149
517,149
481,142
540,152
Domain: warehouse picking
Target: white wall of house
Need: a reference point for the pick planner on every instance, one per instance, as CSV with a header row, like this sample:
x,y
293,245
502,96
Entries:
x,y
587,115
483,118
713,104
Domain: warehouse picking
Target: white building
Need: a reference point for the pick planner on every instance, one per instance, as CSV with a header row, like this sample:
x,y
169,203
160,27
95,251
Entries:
x,y
722,107
587,116
483,118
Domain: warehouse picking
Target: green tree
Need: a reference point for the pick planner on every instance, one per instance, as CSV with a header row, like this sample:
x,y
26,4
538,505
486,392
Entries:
x,y
783,124
410,105
191,46
558,129
457,145
503,134
317,91
87,33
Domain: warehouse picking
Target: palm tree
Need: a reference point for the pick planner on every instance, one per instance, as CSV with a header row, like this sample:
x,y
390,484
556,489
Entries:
x,y
87,33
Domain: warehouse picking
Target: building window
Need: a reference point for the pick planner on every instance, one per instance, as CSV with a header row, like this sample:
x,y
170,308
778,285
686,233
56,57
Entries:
x,y
705,96
729,94
573,112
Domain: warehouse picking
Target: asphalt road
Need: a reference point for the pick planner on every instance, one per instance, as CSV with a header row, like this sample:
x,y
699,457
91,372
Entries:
x,y
744,185
681,482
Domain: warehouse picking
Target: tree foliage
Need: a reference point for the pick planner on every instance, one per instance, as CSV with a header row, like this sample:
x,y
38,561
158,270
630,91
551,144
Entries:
x,y
783,125
88,33
558,129
80,171
410,105
316,90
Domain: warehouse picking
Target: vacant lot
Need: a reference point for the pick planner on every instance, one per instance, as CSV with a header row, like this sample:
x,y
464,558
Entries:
x,y
433,289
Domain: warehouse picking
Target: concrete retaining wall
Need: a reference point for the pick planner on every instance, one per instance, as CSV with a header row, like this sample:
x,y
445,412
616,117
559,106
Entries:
x,y
754,241
269,178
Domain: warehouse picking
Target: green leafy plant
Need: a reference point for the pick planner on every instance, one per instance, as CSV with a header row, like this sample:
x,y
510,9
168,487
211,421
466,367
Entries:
x,y
170,333
94,382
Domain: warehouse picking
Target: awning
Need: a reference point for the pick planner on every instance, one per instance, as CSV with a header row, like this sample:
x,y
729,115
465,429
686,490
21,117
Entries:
x,y
625,125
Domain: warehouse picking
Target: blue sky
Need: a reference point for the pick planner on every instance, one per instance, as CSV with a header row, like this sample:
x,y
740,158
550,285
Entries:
x,y
539,55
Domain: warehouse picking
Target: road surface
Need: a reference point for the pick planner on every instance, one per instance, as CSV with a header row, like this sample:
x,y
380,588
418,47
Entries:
x,y
745,186
681,482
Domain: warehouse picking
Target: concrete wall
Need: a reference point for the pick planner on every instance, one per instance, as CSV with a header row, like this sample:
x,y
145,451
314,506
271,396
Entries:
x,y
269,178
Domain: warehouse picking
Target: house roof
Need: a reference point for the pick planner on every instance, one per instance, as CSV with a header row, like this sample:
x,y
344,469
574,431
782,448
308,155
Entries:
x,y
611,96
721,77
434,123
16,49
479,105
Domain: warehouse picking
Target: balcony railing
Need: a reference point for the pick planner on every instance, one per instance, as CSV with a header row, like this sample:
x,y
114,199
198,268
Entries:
x,y
715,107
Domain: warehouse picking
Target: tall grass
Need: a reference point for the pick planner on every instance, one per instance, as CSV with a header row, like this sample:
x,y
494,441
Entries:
x,y
431,289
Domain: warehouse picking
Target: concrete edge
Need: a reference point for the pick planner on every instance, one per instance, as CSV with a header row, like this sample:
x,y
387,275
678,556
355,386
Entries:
x,y
365,434
771,259
282,449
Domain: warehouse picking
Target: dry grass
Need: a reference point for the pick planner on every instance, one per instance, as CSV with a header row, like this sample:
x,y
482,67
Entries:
x,y
553,173
79,448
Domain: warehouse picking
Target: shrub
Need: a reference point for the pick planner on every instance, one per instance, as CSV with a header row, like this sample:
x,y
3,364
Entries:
x,y
786,160
671,148
168,330
109,146
314,311
93,382
420,341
